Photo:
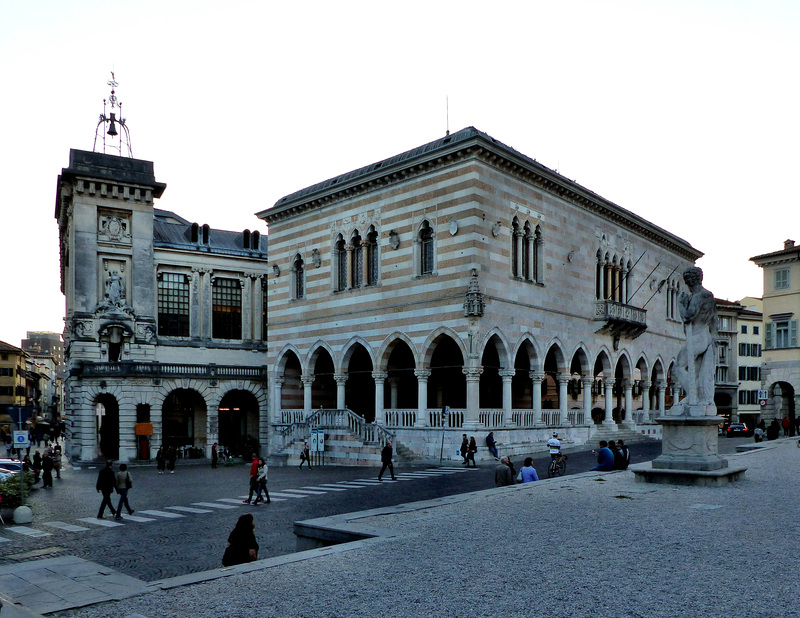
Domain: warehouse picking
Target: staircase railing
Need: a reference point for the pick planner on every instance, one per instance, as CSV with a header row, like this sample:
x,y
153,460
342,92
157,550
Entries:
x,y
334,419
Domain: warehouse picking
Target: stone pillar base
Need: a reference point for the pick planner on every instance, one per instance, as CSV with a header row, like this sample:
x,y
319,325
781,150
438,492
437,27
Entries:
x,y
690,440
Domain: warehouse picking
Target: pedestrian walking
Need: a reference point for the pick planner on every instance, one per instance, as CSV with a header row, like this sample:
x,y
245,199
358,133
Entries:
x,y
47,471
386,461
242,545
464,448
37,466
261,480
214,455
786,425
305,456
57,459
253,478
106,484
504,473
471,450
160,461
124,483
172,455
528,472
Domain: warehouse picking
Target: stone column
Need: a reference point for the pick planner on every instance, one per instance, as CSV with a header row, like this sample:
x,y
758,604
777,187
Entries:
x,y
127,436
608,287
205,286
645,384
422,396
380,378
536,378
507,375
364,261
623,286
609,418
563,400
531,249
341,380
196,303
662,397
586,382
472,416
393,392
277,387
307,405
630,421
350,274
212,427
258,308
518,245
676,393
247,313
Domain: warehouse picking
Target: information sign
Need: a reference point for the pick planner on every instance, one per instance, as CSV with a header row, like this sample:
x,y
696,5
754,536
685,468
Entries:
x,y
21,439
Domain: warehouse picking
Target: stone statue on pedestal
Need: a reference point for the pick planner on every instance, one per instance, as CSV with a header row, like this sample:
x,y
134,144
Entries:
x,y
696,364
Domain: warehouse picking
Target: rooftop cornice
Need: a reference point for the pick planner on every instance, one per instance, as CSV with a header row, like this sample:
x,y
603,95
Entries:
x,y
777,257
468,144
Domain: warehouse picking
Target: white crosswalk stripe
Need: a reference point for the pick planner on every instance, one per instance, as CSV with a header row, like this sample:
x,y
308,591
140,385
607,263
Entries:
x,y
105,523
308,492
137,519
166,514
187,509
4,540
231,500
285,495
214,505
328,488
27,531
60,525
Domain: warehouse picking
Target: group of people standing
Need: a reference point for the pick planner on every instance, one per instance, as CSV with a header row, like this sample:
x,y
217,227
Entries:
x,y
43,464
166,461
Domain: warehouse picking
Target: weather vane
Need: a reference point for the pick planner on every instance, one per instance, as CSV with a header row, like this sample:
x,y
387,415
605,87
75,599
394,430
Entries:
x,y
114,140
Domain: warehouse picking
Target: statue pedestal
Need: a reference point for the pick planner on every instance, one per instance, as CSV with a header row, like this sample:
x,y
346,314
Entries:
x,y
689,450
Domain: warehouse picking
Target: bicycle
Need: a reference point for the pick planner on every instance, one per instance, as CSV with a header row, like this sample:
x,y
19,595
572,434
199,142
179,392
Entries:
x,y
558,466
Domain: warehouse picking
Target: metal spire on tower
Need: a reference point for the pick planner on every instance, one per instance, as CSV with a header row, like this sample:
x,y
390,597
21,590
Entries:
x,y
118,141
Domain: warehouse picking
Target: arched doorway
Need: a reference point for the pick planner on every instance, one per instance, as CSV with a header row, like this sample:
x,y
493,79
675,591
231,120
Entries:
x,y
491,384
782,398
402,392
183,418
107,416
359,390
238,422
323,391
447,385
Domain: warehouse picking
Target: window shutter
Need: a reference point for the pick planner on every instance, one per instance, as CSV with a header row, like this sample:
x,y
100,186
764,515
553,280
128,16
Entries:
x,y
792,333
768,335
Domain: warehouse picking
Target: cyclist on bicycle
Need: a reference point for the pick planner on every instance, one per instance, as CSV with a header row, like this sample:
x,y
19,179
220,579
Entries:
x,y
554,445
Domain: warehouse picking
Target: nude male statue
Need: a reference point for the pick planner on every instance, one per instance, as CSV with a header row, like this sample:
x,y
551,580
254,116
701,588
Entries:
x,y
697,361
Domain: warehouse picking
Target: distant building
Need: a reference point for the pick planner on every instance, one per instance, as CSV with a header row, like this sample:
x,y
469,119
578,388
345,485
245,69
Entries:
x,y
43,343
465,274
780,375
738,374
14,390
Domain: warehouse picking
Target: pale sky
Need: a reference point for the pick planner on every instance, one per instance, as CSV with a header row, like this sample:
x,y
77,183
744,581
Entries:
x,y
683,112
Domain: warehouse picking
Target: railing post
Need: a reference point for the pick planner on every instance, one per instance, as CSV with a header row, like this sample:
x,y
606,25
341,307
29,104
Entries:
x,y
380,378
422,396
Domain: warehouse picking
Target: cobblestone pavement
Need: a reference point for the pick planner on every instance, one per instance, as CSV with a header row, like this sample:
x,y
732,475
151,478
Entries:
x,y
182,520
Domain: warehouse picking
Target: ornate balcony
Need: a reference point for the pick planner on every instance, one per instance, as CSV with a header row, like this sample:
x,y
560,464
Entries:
x,y
132,369
619,319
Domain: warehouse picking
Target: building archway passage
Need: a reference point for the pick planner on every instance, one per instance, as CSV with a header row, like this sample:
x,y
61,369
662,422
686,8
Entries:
x,y
184,419
782,396
107,416
360,386
238,422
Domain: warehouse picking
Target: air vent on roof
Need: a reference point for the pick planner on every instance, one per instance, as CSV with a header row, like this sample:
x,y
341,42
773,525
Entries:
x,y
446,140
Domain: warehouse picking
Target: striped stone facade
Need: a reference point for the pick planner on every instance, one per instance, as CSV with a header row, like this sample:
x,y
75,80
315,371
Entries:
x,y
464,274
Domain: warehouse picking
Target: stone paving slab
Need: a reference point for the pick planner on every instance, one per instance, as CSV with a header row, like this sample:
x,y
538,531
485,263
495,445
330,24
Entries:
x,y
61,525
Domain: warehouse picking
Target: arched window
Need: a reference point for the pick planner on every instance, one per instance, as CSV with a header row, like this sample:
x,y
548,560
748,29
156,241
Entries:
x,y
373,266
537,271
527,240
598,276
426,249
340,253
515,235
358,260
298,277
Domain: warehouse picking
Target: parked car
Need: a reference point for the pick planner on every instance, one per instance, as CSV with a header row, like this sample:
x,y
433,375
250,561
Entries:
x,y
737,429
10,465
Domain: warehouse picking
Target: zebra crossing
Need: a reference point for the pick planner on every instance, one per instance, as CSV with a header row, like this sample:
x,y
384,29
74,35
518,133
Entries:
x,y
87,524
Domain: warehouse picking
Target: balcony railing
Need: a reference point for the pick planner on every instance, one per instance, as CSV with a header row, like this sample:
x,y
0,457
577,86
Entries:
x,y
620,319
134,369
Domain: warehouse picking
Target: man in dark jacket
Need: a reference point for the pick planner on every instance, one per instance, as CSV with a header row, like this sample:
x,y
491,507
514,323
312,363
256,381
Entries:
x,y
106,483
504,473
386,460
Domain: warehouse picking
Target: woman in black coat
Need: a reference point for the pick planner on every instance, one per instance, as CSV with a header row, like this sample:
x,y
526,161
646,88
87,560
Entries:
x,y
242,546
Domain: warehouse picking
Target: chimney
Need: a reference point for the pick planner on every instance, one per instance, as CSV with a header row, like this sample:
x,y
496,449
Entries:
x,y
788,244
